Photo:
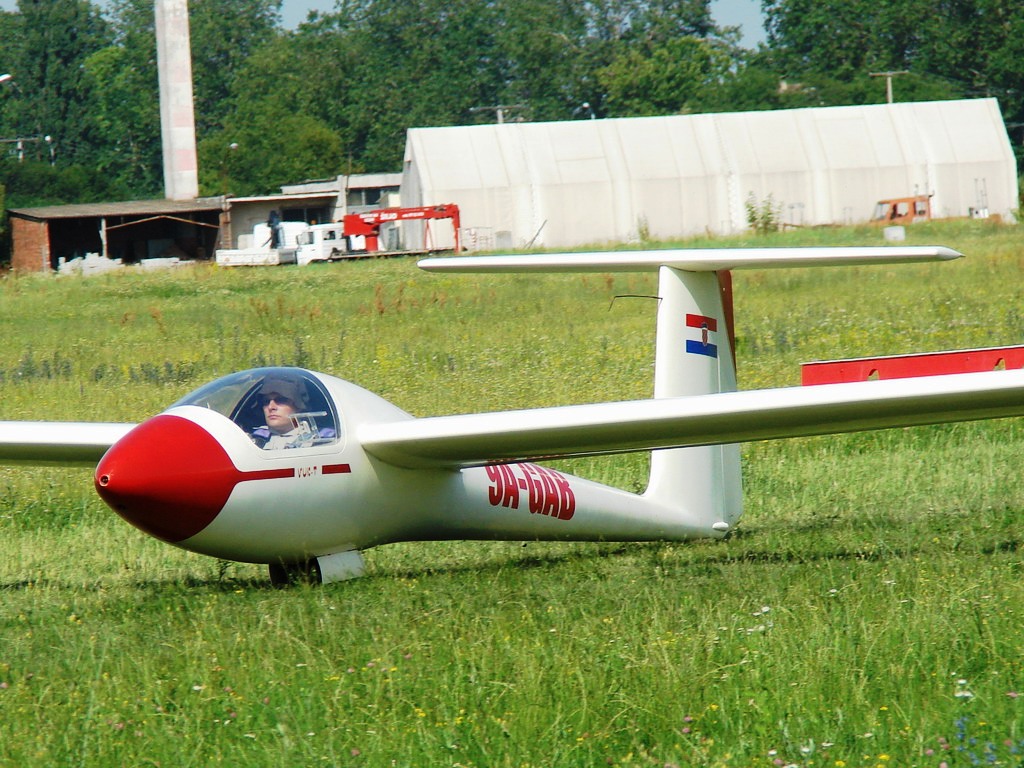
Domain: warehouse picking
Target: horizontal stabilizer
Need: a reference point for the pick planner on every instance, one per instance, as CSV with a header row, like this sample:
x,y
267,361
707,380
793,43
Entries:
x,y
692,259
728,417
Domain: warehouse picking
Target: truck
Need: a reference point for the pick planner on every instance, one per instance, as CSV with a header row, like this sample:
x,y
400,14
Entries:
x,y
376,233
255,250
357,235
321,242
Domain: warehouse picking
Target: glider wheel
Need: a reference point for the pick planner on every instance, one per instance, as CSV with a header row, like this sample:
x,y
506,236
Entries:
x,y
291,574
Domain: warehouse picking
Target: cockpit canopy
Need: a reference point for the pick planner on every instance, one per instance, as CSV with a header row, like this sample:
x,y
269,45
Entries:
x,y
256,399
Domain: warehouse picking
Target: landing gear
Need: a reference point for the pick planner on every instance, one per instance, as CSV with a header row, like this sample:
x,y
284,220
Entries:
x,y
325,569
292,574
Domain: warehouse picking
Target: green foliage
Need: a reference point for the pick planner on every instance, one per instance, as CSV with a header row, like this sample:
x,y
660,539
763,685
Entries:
x,y
943,50
547,60
667,79
842,39
33,183
763,217
46,55
338,94
258,155
225,36
126,120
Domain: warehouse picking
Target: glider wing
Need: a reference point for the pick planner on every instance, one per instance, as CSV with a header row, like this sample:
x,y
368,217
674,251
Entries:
x,y
57,442
729,417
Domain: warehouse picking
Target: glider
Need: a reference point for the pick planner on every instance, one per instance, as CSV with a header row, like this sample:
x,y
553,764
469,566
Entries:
x,y
221,472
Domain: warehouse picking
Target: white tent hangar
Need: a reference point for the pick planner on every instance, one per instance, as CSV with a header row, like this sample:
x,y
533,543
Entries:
x,y
590,181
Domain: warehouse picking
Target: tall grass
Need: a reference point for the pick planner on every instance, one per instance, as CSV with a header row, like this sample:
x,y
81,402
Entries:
x,y
867,612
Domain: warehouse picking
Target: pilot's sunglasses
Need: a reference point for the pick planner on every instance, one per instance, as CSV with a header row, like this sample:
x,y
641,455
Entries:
x,y
279,399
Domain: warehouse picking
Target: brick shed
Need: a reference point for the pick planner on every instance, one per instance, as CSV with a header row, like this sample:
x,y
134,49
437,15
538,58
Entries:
x,y
131,231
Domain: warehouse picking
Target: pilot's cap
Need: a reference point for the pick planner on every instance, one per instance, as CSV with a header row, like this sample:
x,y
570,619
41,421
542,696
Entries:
x,y
293,389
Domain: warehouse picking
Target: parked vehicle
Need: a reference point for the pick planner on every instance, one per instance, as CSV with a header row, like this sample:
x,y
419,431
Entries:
x,y
357,235
903,210
257,249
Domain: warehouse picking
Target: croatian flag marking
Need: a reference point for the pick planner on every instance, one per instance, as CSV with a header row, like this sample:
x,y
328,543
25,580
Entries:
x,y
706,326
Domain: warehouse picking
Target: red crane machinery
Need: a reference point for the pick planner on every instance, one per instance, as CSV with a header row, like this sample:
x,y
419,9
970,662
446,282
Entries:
x,y
369,223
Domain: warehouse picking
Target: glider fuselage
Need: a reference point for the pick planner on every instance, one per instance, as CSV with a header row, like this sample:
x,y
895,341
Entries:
x,y
193,477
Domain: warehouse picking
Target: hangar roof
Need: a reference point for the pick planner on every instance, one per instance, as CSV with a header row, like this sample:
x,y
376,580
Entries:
x,y
563,184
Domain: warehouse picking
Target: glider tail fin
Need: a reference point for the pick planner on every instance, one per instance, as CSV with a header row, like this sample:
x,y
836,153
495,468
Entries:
x,y
694,355
694,347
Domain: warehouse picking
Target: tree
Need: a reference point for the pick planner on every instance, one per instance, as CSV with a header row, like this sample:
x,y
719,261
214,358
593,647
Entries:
x,y
1005,75
668,78
411,63
225,35
279,123
285,110
263,146
127,120
950,48
545,60
8,92
4,252
48,54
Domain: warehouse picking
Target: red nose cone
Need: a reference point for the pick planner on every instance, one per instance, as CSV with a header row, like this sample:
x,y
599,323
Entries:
x,y
168,477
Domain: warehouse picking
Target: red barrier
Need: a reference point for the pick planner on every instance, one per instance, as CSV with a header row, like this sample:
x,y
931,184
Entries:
x,y
907,366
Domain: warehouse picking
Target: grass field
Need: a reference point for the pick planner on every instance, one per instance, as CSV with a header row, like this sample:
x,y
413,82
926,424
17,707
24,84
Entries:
x,y
869,610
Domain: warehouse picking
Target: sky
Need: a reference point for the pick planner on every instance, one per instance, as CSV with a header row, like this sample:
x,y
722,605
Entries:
x,y
731,13
742,13
745,14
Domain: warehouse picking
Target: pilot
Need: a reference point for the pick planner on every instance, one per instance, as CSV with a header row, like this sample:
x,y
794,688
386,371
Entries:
x,y
282,399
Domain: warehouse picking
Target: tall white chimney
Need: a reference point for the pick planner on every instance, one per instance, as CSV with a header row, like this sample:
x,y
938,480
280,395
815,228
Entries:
x,y
177,115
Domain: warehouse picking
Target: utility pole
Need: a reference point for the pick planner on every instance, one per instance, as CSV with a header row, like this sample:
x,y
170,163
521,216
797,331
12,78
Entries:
x,y
888,81
498,110
19,142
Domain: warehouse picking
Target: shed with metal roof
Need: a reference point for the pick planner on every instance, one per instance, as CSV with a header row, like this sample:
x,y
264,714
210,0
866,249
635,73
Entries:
x,y
131,231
